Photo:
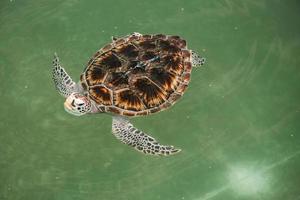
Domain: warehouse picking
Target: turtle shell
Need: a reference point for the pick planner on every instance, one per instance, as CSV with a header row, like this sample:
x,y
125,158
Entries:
x,y
138,74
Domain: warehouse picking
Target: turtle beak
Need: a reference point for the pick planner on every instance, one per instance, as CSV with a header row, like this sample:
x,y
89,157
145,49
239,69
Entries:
x,y
70,110
67,105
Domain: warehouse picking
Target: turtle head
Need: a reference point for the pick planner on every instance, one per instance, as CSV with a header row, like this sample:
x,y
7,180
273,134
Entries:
x,y
77,104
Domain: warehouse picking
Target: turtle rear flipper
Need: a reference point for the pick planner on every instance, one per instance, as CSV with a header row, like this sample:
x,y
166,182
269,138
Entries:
x,y
197,60
63,82
128,134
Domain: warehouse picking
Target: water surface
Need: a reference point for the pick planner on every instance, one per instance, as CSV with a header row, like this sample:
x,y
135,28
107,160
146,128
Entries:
x,y
238,123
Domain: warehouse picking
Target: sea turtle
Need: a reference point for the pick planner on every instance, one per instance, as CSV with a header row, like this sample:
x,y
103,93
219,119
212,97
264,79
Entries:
x,y
135,75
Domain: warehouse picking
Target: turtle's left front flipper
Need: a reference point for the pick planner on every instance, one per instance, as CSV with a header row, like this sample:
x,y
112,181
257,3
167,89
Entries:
x,y
128,134
63,82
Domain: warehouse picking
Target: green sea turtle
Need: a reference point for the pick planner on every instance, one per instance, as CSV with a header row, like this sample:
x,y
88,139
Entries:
x,y
135,75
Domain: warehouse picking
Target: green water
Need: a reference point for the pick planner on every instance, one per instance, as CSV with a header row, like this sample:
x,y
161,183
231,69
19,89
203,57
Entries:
x,y
238,124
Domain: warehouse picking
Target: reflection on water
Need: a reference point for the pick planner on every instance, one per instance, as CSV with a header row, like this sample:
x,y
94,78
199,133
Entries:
x,y
247,181
244,180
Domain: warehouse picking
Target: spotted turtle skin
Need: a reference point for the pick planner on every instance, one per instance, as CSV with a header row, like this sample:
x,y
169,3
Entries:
x,y
138,74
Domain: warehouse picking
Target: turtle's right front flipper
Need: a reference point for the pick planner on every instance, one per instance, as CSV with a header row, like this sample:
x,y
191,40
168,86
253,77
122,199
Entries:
x,y
63,82
128,134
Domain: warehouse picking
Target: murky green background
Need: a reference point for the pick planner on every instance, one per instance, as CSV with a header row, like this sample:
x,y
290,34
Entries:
x,y
238,124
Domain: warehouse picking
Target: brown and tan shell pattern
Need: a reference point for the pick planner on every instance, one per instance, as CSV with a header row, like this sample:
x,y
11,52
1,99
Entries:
x,y
138,74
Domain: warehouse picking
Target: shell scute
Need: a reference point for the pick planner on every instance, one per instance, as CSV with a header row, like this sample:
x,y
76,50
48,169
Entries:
x,y
159,36
117,80
173,64
148,55
168,47
152,95
101,95
186,78
128,50
95,75
148,44
188,67
119,41
182,88
114,110
110,61
106,48
166,80
128,100
147,37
